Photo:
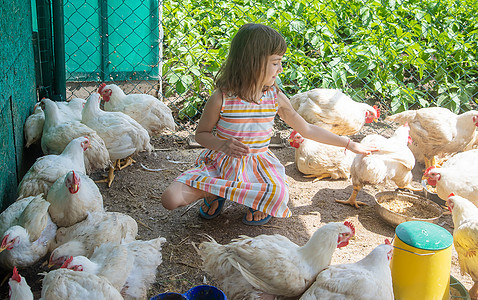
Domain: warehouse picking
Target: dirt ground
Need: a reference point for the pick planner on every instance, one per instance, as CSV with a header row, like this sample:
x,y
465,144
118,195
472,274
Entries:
x,y
136,192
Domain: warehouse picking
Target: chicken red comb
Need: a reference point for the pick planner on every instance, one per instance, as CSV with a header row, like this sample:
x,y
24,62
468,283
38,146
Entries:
x,y
377,110
292,134
387,242
451,195
100,88
351,226
67,262
15,275
428,170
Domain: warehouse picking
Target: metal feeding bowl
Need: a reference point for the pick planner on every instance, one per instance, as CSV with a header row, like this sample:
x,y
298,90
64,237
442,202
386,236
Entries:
x,y
396,207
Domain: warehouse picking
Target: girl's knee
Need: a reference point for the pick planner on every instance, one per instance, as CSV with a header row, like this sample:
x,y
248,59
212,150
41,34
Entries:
x,y
167,199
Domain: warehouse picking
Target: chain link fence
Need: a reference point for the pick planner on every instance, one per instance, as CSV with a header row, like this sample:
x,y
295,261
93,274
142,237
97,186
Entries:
x,y
397,54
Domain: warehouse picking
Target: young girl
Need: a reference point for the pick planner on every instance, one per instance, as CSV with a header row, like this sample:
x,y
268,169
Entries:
x,y
237,164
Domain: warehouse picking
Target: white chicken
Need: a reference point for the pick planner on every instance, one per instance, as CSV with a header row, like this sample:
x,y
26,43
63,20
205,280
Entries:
x,y
72,196
71,110
83,237
47,169
147,110
122,135
130,267
369,278
27,241
438,131
109,260
465,237
333,110
19,288
33,126
11,215
64,284
253,267
459,175
57,133
320,160
393,162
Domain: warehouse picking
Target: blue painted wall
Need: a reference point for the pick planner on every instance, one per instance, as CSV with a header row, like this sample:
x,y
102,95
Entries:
x,y
17,92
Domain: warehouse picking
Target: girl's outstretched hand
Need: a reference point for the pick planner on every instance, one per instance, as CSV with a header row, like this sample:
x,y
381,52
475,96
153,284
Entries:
x,y
234,148
362,149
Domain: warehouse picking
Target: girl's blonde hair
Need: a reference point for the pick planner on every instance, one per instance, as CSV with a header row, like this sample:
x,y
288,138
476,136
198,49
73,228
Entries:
x,y
243,71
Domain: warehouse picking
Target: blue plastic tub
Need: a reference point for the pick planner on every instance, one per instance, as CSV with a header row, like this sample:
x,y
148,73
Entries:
x,y
200,292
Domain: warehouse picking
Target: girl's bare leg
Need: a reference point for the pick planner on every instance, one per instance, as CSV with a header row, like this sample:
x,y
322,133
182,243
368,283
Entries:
x,y
178,194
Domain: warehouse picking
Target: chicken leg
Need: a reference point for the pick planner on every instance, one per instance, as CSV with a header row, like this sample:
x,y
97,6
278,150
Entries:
x,y
128,162
352,199
317,178
111,174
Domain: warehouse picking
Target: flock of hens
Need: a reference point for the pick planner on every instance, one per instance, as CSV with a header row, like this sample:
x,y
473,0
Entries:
x,y
94,254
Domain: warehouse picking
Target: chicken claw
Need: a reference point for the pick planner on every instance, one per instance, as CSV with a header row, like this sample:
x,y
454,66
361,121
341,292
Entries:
x,y
128,162
111,176
317,178
352,199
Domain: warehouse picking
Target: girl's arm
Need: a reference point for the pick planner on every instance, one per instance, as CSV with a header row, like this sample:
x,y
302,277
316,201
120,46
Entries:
x,y
316,133
207,139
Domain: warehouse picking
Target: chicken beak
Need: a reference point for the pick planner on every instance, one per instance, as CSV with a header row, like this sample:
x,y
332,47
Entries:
x,y
2,248
375,120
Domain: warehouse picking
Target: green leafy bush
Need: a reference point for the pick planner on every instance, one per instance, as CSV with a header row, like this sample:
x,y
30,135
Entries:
x,y
403,54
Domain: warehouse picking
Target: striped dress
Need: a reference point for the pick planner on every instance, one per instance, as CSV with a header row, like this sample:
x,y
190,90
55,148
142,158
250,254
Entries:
x,y
257,180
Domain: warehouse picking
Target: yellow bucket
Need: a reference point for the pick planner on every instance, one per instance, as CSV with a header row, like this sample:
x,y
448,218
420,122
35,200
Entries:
x,y
421,261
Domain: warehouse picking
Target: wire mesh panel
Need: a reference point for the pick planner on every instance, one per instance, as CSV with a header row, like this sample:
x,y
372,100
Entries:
x,y
398,54
112,40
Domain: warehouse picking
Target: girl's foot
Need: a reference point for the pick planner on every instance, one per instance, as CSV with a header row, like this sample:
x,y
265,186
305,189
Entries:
x,y
255,217
211,208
